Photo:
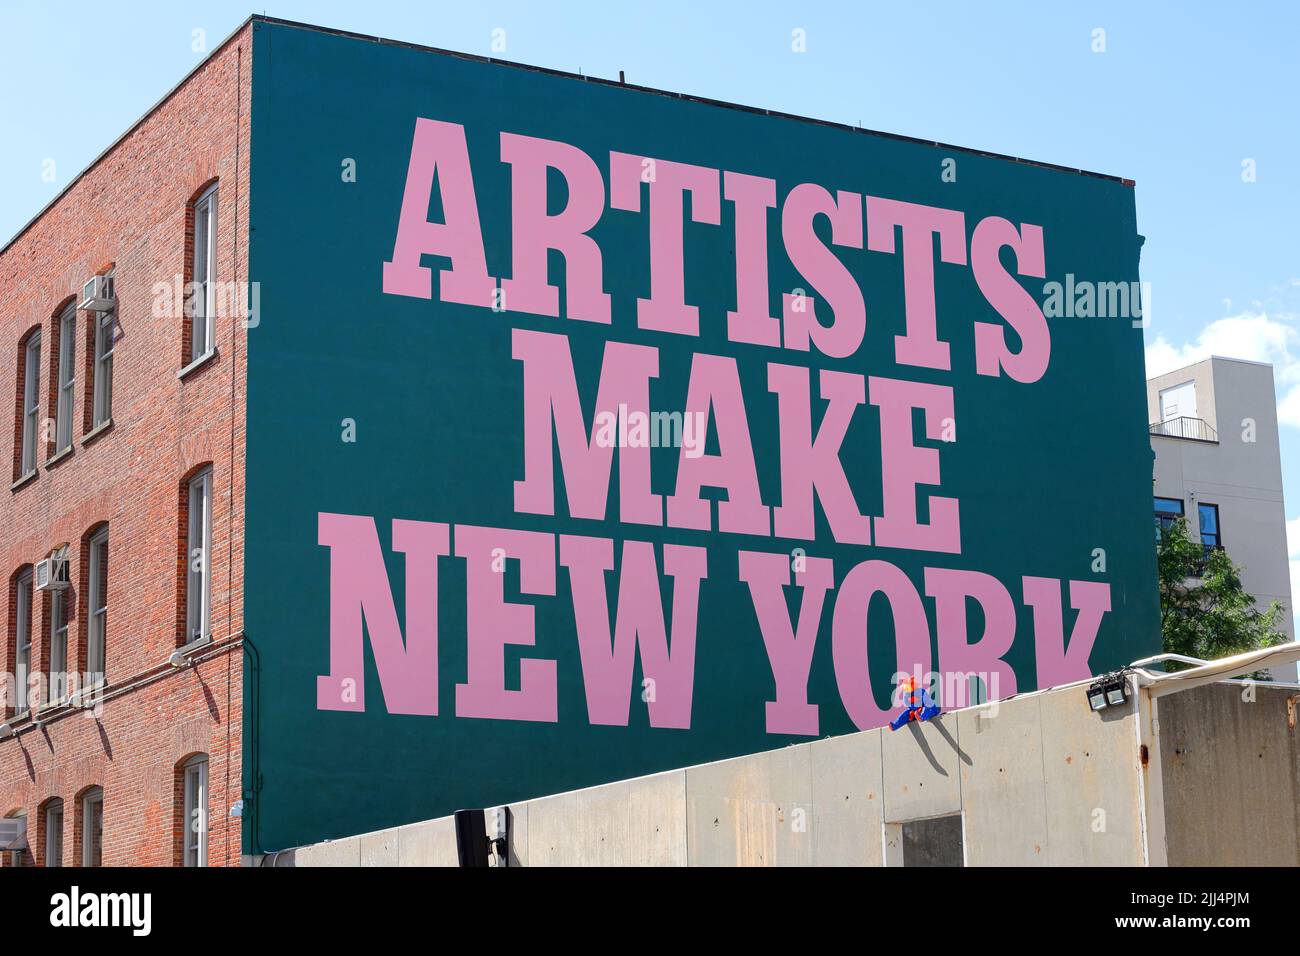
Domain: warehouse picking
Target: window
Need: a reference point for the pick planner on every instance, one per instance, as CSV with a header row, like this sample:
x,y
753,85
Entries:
x,y
18,852
1168,510
97,630
1209,518
54,833
23,643
102,371
1178,401
31,402
58,645
92,827
202,319
196,811
197,579
67,379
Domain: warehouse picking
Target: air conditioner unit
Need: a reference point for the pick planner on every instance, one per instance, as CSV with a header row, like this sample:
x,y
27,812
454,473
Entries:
x,y
52,574
97,295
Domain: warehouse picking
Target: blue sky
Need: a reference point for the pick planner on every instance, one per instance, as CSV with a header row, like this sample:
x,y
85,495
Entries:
x,y
1182,95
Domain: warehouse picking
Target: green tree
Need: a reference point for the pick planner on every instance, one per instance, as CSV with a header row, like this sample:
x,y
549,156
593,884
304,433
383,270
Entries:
x,y
1204,611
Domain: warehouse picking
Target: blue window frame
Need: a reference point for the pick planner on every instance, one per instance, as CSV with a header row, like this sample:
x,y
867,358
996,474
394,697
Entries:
x,y
1168,510
1209,518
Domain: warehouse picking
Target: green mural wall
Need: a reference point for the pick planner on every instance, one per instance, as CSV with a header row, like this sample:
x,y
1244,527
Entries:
x,y
386,405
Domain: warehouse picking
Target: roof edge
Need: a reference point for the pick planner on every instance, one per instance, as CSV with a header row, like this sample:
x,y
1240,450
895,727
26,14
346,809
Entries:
x,y
103,153
1210,360
690,98
548,71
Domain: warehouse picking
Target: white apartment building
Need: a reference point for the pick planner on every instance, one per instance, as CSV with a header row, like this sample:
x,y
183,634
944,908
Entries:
x,y
1218,463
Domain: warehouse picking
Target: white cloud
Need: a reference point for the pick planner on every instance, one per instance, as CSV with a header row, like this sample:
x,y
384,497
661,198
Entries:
x,y
1295,619
1257,336
1288,410
1248,335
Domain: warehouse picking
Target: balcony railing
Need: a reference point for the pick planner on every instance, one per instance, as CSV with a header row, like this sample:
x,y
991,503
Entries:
x,y
1193,429
1206,551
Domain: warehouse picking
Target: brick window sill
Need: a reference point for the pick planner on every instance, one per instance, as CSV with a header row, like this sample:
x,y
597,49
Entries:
x,y
97,431
194,645
25,479
197,364
59,456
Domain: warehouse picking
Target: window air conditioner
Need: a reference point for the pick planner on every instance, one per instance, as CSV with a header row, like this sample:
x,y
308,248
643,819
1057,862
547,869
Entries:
x,y
52,574
97,296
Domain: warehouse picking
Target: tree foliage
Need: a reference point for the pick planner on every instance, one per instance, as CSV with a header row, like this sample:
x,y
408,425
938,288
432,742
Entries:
x,y
1204,610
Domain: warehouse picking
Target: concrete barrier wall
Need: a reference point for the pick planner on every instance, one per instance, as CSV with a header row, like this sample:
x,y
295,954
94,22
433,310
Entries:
x,y
641,821
1231,773
1039,780
1091,769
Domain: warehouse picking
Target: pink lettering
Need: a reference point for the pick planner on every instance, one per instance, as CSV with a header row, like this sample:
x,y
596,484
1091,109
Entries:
x,y
491,623
1010,299
639,627
808,463
789,650
715,387
440,147
666,309
535,231
824,270
551,399
408,672
920,346
849,637
1057,664
904,465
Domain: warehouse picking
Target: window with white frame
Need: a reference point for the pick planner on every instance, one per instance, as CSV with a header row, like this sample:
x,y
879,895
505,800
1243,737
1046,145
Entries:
x,y
196,811
202,319
17,856
54,833
23,643
58,645
102,398
31,402
92,827
198,583
67,378
97,629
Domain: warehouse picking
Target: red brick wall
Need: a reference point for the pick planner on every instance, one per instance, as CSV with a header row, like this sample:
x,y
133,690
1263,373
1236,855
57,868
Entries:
x,y
130,210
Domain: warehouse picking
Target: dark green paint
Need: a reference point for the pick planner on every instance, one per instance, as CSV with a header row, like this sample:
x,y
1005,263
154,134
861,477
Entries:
x,y
1045,473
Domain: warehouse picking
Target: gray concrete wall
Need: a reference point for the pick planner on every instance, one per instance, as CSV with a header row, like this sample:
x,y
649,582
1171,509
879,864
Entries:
x,y
1039,780
431,843
1231,774
641,821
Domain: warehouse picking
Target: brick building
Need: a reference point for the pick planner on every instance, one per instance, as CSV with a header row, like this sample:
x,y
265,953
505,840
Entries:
x,y
127,469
